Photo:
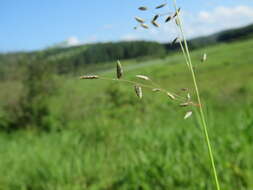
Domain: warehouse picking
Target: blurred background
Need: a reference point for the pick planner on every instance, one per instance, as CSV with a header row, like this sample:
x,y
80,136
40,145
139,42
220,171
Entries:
x,y
60,132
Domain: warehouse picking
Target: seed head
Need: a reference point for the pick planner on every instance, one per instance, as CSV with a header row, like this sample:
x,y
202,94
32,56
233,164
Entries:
x,y
156,89
161,6
143,8
155,24
168,19
188,114
204,57
171,96
188,96
155,17
138,19
185,104
89,77
119,70
144,26
142,77
138,91
176,13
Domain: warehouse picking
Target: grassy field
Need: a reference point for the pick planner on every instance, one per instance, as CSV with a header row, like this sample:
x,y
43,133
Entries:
x,y
105,138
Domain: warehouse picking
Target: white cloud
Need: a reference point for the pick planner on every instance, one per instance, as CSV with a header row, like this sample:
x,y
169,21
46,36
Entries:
x,y
239,13
220,18
72,41
130,37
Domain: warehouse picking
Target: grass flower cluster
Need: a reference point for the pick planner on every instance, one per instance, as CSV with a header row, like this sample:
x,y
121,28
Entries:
x,y
182,100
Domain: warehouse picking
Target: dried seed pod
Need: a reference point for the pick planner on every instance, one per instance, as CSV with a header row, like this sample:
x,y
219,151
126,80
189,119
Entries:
x,y
138,19
188,114
171,96
161,6
155,17
176,13
184,104
89,77
143,8
144,26
138,91
119,70
156,90
204,57
142,77
155,24
168,19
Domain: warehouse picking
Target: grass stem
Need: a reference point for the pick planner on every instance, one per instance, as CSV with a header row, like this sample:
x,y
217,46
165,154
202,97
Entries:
x,y
187,56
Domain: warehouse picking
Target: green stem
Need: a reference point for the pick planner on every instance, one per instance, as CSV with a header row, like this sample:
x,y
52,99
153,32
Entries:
x,y
203,120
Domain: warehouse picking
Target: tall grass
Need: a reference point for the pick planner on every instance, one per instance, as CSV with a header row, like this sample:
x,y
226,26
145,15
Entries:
x,y
122,143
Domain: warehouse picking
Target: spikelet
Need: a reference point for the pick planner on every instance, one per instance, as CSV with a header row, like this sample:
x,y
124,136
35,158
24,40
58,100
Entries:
x,y
188,114
168,19
142,77
171,96
155,17
155,24
161,6
184,104
119,70
156,90
138,91
188,96
138,19
89,77
177,21
144,26
176,13
204,57
143,8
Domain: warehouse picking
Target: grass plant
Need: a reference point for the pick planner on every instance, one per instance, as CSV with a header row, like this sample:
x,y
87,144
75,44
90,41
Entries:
x,y
185,101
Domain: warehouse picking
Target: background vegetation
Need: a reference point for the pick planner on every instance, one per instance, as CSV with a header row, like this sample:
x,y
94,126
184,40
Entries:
x,y
57,132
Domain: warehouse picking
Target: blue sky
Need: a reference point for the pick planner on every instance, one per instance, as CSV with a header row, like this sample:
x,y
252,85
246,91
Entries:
x,y
37,24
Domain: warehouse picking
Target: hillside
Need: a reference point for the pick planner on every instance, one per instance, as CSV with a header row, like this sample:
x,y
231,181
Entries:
x,y
72,59
99,135
230,35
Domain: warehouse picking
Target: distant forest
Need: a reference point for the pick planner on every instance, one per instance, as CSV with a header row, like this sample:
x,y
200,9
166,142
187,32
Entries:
x,y
67,60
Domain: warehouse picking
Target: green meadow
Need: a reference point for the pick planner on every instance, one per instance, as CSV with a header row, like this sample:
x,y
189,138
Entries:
x,y
102,137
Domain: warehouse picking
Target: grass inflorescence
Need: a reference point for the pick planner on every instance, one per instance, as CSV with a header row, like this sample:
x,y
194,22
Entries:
x,y
183,101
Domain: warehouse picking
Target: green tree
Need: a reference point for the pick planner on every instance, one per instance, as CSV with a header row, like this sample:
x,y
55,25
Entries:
x,y
32,108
